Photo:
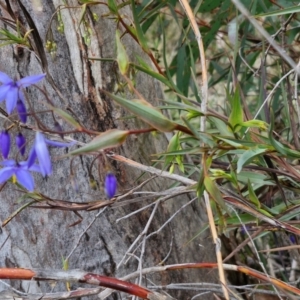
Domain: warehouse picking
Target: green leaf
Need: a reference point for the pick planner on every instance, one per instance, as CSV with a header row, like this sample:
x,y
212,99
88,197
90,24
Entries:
x,y
172,167
252,195
139,32
214,192
285,11
154,74
248,156
280,147
256,123
146,112
179,160
196,150
65,263
264,212
66,117
257,178
209,5
231,142
236,116
221,126
143,63
112,6
173,146
109,139
190,127
122,57
245,218
82,14
218,20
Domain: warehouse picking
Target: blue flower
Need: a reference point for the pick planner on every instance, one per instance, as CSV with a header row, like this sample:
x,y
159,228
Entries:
x,y
10,90
20,170
110,185
40,151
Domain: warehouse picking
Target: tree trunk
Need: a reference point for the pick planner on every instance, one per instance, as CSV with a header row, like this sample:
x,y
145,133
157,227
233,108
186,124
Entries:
x,y
40,238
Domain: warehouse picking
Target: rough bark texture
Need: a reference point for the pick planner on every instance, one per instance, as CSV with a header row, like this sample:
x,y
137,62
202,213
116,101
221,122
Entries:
x,y
39,238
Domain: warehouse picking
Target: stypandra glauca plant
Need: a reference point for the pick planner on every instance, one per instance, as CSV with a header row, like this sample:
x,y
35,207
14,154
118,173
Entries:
x,y
232,138
246,158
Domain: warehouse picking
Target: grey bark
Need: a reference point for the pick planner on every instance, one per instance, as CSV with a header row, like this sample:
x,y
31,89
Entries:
x,y
39,238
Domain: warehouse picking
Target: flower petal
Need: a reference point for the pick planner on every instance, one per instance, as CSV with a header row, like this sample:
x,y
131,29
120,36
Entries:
x,y
3,91
21,96
29,80
35,168
43,154
5,174
25,178
8,163
59,144
31,157
11,99
21,109
5,79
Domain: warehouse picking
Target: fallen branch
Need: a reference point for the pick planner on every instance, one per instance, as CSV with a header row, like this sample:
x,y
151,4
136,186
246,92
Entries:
x,y
81,277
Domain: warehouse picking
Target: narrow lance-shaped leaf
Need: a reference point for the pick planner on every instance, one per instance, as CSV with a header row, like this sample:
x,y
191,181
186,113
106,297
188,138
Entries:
x,y
173,145
122,57
146,112
214,192
278,146
139,32
82,14
154,74
109,139
112,6
236,116
252,196
66,117
248,156
285,11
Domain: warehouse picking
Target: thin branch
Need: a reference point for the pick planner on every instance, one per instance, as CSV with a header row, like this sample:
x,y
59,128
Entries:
x,y
151,170
204,99
75,294
80,277
243,269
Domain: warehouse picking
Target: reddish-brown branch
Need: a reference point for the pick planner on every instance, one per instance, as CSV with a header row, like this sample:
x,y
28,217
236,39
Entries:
x,y
78,276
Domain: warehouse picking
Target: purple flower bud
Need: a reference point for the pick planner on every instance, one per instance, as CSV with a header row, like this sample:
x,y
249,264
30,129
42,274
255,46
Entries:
x,y
110,185
5,143
22,111
21,142
244,229
292,239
